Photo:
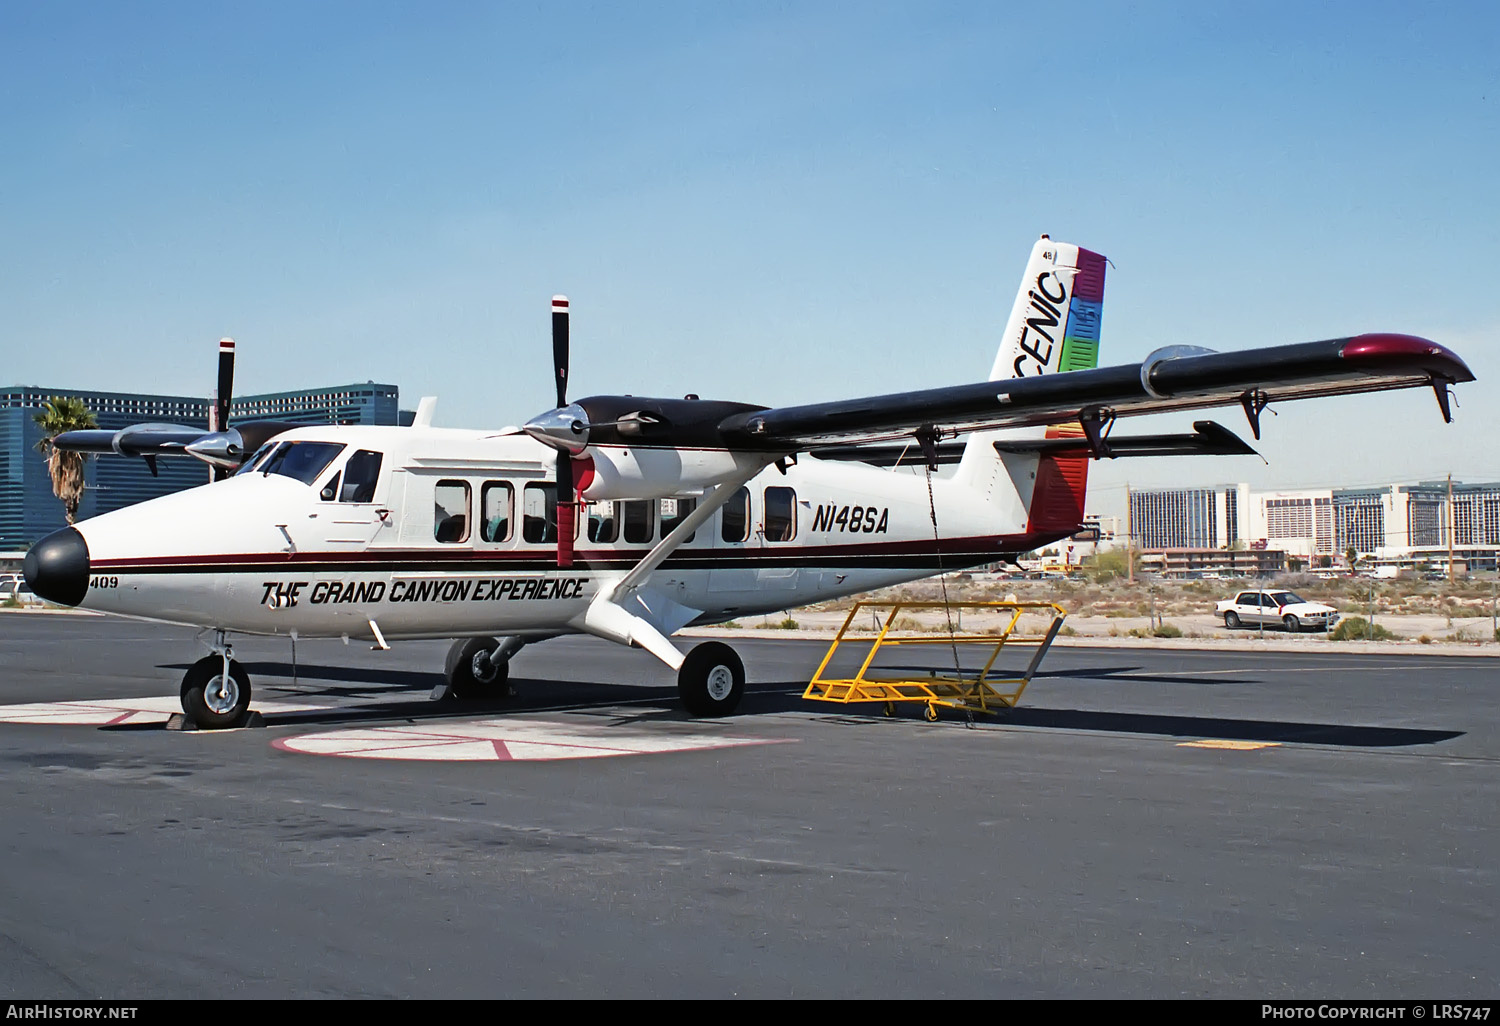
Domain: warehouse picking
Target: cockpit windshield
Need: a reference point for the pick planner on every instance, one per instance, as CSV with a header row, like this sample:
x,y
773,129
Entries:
x,y
256,457
301,461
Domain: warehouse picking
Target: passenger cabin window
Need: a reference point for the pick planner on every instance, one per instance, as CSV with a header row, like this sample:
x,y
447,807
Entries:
x,y
639,522
604,522
674,512
450,514
540,522
736,524
497,502
360,475
301,461
781,514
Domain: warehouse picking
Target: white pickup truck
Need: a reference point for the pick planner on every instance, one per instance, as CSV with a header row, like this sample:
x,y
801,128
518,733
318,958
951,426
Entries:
x,y
1275,609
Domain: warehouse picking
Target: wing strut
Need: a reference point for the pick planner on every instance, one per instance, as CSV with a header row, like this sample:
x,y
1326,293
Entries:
x,y
606,616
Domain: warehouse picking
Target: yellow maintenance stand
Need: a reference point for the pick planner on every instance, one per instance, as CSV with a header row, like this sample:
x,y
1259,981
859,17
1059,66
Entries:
x,y
956,689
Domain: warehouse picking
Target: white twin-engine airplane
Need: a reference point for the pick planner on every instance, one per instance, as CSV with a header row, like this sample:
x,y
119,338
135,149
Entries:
x,y
692,511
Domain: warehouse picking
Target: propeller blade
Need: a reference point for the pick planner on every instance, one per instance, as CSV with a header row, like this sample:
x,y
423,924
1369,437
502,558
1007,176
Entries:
x,y
560,347
226,385
567,510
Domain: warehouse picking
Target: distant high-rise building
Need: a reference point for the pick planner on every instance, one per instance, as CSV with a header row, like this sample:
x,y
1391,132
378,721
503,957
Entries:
x,y
1407,526
1296,522
1359,518
1198,518
29,510
1476,514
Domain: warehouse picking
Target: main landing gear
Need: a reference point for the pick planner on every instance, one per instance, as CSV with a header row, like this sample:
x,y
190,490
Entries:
x,y
712,680
710,683
216,689
480,667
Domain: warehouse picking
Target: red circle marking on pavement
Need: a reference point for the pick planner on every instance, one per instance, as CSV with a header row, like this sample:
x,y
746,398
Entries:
x,y
509,740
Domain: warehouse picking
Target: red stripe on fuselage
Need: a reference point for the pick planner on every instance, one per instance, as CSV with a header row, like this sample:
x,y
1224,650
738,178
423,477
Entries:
x,y
989,546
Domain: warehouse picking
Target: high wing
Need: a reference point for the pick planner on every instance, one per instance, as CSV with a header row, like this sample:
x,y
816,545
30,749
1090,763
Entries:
x,y
135,440
222,447
1176,378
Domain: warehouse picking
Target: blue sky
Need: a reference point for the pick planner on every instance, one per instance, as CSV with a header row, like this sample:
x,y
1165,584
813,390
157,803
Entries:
x,y
770,202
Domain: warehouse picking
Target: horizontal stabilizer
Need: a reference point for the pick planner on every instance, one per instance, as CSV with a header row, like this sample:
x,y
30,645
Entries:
x,y
1207,439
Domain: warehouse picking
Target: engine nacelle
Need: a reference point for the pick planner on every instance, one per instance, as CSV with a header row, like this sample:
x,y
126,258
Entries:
x,y
620,472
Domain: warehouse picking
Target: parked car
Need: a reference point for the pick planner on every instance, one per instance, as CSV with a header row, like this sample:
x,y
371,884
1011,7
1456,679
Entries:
x,y
8,585
1275,609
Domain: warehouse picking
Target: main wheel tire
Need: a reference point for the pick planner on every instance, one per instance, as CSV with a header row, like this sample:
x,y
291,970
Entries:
x,y
470,673
1232,620
1291,623
712,680
208,699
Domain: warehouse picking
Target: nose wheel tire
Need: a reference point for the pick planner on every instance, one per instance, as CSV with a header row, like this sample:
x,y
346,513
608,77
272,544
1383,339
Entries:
x,y
210,699
1231,620
470,672
712,680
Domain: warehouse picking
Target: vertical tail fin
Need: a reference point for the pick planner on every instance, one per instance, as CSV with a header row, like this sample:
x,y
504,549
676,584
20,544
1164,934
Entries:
x,y
1053,328
1054,324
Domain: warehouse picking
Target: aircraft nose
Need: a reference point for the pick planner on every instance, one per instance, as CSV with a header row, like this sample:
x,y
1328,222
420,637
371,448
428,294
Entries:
x,y
57,567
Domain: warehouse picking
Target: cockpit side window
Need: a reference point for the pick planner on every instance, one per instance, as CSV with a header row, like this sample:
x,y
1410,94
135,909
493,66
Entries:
x,y
301,461
360,475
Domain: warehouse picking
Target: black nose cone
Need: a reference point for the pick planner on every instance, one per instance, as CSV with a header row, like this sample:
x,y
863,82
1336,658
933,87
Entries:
x,y
57,567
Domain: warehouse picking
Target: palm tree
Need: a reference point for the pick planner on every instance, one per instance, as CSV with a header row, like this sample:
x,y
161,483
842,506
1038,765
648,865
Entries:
x,y
64,413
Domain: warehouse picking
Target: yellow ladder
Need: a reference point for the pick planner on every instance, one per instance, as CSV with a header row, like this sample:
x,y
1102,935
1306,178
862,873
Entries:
x,y
957,689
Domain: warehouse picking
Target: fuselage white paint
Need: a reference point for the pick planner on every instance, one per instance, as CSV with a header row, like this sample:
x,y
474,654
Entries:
x,y
265,554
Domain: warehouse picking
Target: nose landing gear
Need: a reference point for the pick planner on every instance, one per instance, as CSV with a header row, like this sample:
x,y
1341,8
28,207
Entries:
x,y
216,689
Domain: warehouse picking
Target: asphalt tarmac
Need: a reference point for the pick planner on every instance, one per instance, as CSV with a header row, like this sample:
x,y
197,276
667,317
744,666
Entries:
x,y
1339,841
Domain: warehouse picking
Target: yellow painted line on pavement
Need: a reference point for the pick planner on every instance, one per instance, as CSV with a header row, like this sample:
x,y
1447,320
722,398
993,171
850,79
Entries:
x,y
1232,746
